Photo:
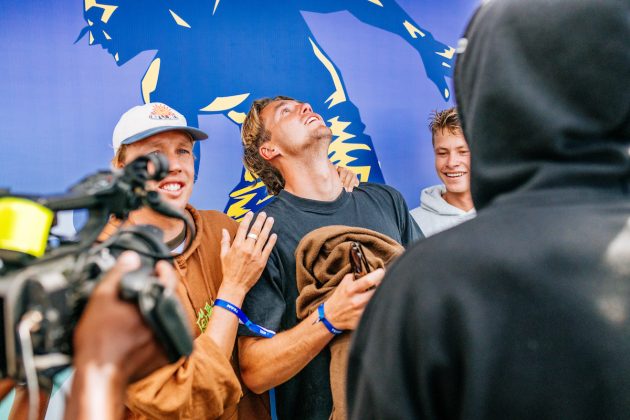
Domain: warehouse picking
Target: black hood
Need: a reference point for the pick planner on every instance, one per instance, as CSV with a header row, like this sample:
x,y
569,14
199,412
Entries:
x,y
543,91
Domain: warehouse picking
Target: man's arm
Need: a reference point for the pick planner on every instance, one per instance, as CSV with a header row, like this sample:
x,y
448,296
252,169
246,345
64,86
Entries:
x,y
113,346
124,349
205,385
242,263
266,363
438,58
409,230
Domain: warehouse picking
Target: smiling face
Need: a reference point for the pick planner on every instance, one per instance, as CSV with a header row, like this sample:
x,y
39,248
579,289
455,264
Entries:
x,y
452,160
177,146
294,127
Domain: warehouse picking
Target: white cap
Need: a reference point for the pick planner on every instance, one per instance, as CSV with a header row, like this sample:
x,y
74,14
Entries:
x,y
146,120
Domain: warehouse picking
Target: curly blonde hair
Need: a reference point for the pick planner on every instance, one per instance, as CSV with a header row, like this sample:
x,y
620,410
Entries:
x,y
253,135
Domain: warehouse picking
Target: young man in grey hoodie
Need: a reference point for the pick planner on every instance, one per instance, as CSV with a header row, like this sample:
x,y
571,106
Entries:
x,y
446,205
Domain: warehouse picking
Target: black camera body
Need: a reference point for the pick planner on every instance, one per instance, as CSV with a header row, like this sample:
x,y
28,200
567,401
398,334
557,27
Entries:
x,y
42,299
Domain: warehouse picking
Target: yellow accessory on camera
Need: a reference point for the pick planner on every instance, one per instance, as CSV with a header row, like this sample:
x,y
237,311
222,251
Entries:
x,y
24,226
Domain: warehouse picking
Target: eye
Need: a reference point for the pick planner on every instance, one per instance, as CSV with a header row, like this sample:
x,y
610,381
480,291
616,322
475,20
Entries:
x,y
183,152
285,110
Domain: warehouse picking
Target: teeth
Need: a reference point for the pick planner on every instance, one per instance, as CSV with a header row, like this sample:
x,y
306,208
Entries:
x,y
171,187
310,120
455,175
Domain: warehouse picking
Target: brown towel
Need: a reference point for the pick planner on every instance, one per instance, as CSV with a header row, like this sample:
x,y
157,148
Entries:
x,y
322,260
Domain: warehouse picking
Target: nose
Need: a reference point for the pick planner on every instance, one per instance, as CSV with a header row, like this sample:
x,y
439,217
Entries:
x,y
306,108
452,160
174,165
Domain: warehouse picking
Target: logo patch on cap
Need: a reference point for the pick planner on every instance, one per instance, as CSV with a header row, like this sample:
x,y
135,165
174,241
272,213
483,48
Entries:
x,y
162,112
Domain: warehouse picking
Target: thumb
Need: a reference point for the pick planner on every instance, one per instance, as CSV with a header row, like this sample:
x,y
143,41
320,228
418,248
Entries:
x,y
225,242
370,280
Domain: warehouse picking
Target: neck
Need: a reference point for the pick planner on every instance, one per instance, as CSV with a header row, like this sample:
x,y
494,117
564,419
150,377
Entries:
x,y
315,179
169,225
462,201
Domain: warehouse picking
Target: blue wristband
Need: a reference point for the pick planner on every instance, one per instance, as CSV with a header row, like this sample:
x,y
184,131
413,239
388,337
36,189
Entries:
x,y
256,329
326,322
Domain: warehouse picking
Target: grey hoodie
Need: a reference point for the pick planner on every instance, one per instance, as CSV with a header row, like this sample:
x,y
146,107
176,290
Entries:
x,y
435,215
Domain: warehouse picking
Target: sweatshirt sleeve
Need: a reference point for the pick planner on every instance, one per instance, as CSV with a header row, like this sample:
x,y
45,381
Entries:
x,y
200,386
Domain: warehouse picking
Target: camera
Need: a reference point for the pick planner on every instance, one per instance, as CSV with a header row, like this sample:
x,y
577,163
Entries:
x,y
46,279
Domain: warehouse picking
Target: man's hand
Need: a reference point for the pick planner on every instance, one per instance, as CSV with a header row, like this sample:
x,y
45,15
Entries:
x,y
243,262
112,332
345,306
113,346
269,362
349,179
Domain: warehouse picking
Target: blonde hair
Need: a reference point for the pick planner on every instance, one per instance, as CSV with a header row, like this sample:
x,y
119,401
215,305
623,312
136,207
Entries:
x,y
447,119
118,161
253,135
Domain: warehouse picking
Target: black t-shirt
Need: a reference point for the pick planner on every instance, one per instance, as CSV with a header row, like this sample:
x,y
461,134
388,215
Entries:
x,y
271,302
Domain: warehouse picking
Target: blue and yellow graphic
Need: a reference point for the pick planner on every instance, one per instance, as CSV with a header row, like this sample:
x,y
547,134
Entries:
x,y
217,56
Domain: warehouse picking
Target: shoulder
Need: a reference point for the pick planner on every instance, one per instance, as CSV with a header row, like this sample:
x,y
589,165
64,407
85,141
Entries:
x,y
273,206
374,189
216,216
377,188
213,220
382,194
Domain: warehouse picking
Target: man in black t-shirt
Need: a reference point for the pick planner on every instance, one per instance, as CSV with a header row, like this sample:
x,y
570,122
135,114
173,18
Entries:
x,y
286,144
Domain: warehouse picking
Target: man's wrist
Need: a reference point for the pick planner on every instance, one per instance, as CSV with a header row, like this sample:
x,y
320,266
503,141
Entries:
x,y
232,293
321,317
238,312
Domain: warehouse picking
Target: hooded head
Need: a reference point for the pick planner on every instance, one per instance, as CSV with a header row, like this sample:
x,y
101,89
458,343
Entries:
x,y
543,91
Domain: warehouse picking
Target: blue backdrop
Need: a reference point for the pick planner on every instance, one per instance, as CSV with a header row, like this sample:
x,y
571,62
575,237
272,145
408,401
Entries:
x,y
373,68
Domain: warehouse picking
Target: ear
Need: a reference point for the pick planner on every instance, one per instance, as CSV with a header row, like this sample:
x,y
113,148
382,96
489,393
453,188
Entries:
x,y
268,151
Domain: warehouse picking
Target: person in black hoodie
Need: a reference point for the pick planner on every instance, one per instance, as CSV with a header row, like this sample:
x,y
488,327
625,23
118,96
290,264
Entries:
x,y
524,311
